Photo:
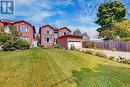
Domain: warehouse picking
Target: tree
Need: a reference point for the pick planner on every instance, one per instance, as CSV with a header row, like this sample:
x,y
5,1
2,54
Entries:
x,y
108,14
77,32
85,36
11,41
122,29
4,37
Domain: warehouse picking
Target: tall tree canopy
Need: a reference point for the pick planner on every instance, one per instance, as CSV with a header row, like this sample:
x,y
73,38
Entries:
x,y
108,14
122,29
77,32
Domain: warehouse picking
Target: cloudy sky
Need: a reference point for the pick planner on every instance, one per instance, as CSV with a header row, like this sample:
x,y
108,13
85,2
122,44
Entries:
x,y
74,14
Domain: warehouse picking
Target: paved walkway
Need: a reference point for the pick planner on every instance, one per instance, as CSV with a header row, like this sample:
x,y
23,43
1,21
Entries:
x,y
112,53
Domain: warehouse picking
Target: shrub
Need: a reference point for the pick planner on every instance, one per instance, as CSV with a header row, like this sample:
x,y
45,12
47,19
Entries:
x,y
100,54
112,58
56,45
114,49
122,60
89,52
72,47
128,61
13,45
77,49
22,45
9,45
42,46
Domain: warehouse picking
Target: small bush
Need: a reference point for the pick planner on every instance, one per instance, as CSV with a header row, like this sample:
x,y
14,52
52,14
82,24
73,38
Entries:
x,y
100,54
16,45
42,46
56,45
112,58
128,61
114,49
9,46
122,60
72,47
22,45
77,49
89,52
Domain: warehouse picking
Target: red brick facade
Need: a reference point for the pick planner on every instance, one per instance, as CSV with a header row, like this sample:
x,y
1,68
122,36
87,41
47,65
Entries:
x,y
30,34
64,40
55,33
44,35
64,31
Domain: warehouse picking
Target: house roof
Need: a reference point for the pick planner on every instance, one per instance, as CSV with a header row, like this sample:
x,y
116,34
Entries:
x,y
65,28
69,36
45,26
26,23
55,29
7,22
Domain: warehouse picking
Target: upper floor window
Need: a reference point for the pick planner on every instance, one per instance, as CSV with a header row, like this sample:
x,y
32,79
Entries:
x,y
47,31
23,28
64,33
7,29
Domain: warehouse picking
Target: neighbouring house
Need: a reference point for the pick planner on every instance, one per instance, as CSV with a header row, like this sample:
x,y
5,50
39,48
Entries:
x,y
62,36
25,29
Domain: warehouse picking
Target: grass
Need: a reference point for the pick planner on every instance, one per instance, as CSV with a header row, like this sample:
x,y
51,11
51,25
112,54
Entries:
x,y
60,68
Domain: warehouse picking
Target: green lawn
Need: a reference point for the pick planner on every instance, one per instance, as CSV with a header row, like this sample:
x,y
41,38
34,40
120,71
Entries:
x,y
60,68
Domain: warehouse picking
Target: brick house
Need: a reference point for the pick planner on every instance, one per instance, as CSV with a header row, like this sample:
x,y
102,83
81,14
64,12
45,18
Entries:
x,y
47,35
62,36
25,29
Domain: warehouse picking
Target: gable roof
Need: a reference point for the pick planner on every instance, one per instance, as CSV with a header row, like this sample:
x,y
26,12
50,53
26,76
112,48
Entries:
x,y
45,26
65,28
6,22
55,29
26,23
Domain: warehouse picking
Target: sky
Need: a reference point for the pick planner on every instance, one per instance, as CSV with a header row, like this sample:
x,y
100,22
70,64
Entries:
x,y
74,14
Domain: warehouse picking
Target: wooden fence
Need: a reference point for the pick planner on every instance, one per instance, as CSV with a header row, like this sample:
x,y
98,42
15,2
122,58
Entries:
x,y
119,45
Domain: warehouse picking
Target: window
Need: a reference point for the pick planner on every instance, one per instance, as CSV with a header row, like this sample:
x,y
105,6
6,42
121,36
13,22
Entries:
x,y
24,38
7,29
64,33
47,31
55,35
47,40
23,28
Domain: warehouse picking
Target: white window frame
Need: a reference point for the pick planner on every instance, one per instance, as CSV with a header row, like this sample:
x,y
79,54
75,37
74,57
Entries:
x,y
47,30
7,29
24,28
45,40
55,35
